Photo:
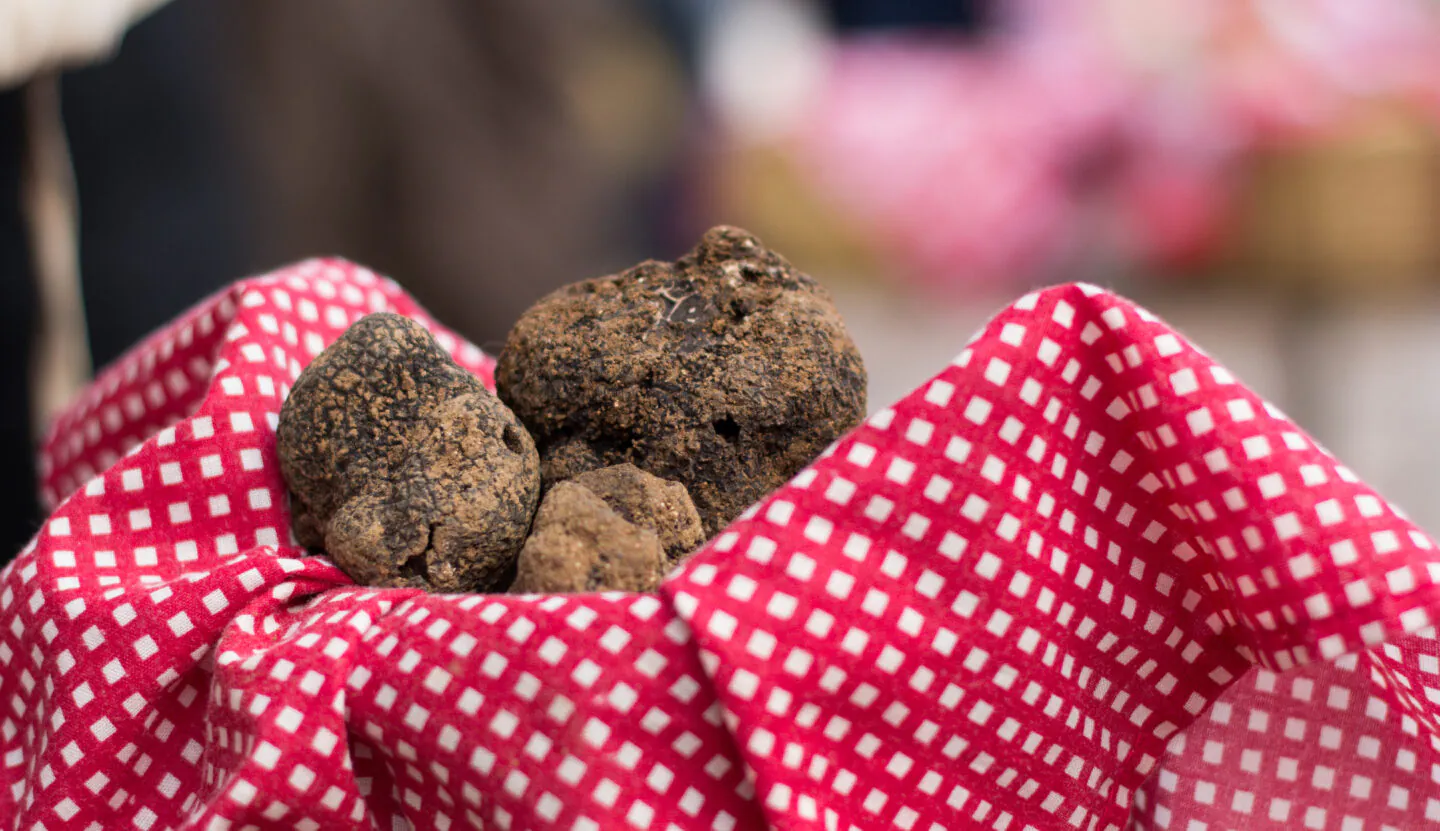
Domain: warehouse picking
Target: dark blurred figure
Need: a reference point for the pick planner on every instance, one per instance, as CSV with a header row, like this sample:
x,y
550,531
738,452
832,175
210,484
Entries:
x,y
449,144
964,16
162,221
161,224
19,507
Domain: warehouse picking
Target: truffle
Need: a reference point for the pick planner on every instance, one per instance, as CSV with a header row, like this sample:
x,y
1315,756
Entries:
x,y
581,545
649,502
403,467
727,371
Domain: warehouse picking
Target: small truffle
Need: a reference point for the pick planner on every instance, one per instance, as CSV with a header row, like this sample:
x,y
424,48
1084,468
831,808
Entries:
x,y
581,545
403,467
649,502
727,371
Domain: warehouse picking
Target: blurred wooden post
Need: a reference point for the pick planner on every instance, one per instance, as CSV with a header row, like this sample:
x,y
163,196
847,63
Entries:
x,y
62,357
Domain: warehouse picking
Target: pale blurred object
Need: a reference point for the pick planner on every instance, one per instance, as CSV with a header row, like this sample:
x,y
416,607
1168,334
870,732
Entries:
x,y
761,61
1288,65
42,35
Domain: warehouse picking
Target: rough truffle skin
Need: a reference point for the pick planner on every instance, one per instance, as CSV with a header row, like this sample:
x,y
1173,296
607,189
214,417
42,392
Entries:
x,y
403,467
727,371
581,545
650,502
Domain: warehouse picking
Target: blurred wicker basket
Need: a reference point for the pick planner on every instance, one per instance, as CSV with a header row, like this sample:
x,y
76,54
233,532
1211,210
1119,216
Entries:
x,y
1355,208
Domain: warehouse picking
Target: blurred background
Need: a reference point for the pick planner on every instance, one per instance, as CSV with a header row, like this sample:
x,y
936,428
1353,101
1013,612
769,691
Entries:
x,y
1264,174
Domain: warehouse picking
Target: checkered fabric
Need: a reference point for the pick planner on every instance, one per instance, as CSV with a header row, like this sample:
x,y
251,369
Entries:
x,y
1081,579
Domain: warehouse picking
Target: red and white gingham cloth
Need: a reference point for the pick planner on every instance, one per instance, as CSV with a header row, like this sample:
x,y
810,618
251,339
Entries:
x,y
1082,579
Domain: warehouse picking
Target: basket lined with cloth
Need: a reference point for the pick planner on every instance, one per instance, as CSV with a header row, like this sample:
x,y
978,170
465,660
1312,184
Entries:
x,y
1082,578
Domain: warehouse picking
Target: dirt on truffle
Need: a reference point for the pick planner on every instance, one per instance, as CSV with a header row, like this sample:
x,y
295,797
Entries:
x,y
402,467
727,371
580,544
648,501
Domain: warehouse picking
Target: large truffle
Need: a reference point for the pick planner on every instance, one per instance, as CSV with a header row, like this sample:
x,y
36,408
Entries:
x,y
581,545
403,467
727,371
649,502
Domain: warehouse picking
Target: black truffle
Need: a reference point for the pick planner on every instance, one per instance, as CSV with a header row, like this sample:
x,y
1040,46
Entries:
x,y
727,371
580,544
647,501
403,467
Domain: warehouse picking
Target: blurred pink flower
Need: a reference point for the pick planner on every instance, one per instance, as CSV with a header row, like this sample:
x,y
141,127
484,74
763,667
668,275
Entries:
x,y
982,161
